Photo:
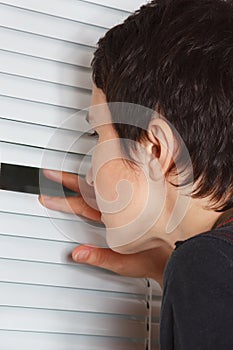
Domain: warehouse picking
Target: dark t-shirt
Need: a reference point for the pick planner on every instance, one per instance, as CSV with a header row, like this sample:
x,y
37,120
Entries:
x,y
197,306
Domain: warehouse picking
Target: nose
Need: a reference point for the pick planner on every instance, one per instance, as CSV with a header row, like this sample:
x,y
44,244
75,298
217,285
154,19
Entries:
x,y
89,177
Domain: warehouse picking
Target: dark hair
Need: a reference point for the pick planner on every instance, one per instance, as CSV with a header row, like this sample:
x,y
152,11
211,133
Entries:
x,y
177,56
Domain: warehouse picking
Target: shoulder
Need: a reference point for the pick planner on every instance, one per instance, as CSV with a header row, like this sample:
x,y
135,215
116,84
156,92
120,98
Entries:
x,y
198,293
205,257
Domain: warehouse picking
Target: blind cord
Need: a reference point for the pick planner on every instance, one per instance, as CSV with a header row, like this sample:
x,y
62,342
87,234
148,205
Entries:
x,y
149,314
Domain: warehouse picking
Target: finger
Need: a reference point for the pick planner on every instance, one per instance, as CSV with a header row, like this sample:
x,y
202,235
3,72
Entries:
x,y
100,257
147,264
70,181
74,205
132,265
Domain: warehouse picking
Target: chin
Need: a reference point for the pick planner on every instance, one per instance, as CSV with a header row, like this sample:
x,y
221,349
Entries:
x,y
145,242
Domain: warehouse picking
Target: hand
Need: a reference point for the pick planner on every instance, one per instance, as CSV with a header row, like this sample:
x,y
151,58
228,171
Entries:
x,y
76,205
147,264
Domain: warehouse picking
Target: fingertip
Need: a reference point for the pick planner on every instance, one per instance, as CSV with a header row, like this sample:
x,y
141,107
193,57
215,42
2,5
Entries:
x,y
40,199
44,200
81,256
46,172
82,253
74,252
52,174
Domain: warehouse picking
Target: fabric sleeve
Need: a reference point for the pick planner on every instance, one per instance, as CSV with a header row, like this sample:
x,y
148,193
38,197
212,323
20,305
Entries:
x,y
197,307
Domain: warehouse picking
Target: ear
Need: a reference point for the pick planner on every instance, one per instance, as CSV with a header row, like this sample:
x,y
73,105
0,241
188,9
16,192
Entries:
x,y
161,146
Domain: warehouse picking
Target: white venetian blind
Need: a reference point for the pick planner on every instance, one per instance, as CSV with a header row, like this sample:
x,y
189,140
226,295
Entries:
x,y
46,301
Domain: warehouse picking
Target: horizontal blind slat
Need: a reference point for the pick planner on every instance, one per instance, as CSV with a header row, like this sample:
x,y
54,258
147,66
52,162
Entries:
x,y
47,229
25,203
46,48
52,27
43,114
67,299
45,70
129,5
48,341
36,250
46,137
45,92
70,322
73,9
40,158
69,276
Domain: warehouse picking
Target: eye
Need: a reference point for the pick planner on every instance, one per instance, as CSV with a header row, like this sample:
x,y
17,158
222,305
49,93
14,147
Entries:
x,y
94,134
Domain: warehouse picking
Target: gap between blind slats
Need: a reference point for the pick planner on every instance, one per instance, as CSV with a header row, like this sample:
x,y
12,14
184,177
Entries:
x,y
46,137
43,47
40,158
51,27
48,341
74,10
45,70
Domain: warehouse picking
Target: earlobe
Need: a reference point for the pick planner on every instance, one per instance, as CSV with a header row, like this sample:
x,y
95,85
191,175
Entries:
x,y
155,170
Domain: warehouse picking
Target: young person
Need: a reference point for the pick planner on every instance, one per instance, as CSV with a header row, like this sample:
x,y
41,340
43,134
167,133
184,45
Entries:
x,y
175,59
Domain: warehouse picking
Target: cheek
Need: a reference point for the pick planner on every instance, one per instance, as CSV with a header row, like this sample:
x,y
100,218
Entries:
x,y
113,188
109,172
121,194
106,180
121,191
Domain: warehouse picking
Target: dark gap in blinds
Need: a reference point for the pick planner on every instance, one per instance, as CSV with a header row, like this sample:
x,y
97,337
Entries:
x,y
26,179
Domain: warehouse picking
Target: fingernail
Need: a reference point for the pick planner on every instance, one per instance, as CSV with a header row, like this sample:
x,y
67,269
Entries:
x,y
82,255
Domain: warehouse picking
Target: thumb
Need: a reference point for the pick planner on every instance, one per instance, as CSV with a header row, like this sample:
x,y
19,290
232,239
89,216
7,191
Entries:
x,y
150,263
100,257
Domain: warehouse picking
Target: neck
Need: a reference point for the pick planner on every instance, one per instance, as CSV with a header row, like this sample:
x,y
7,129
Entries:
x,y
198,219
183,217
